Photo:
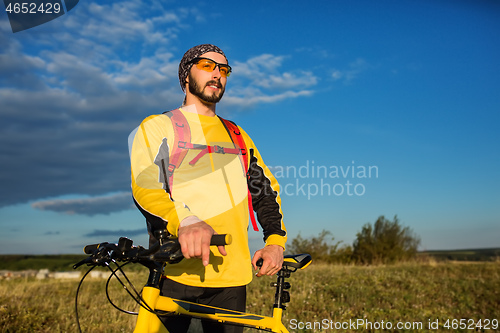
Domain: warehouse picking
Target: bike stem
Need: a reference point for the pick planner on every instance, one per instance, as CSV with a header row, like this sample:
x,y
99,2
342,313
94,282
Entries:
x,y
155,274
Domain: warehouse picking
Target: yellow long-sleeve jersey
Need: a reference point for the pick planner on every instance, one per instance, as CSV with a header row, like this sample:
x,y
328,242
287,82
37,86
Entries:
x,y
210,185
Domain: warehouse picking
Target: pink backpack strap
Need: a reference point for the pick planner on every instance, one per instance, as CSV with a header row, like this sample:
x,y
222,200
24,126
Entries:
x,y
237,138
182,136
182,144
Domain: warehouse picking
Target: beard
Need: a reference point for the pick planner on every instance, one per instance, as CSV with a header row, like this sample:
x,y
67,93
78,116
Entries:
x,y
199,91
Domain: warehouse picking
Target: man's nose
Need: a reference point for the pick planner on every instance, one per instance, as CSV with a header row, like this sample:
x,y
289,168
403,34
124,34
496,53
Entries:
x,y
216,72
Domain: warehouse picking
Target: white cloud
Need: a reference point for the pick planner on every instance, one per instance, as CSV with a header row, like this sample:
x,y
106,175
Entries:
x,y
337,75
88,206
353,70
253,98
71,97
158,71
267,62
290,80
260,80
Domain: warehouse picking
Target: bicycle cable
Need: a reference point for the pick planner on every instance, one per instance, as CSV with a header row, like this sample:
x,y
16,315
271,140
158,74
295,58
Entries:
x,y
76,299
135,297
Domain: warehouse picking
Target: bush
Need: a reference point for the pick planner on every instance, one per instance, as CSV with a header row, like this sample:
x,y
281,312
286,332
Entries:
x,y
385,242
318,247
321,248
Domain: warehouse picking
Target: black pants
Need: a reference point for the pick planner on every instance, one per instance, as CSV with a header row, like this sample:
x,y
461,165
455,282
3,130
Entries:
x,y
232,298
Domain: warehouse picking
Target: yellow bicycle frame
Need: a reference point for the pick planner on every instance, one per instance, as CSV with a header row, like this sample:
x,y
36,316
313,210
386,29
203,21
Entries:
x,y
148,322
154,305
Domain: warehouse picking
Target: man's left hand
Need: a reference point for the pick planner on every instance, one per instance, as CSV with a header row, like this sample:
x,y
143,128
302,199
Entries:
x,y
272,255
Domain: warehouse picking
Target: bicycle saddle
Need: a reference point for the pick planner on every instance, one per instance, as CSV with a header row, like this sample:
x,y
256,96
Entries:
x,y
297,261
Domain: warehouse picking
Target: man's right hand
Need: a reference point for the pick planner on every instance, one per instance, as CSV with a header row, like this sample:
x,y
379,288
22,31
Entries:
x,y
195,240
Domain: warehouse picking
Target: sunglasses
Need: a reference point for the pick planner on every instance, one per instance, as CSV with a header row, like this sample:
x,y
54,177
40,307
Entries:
x,y
209,65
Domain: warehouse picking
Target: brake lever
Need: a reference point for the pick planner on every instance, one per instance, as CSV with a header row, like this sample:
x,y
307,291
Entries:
x,y
169,251
87,260
101,255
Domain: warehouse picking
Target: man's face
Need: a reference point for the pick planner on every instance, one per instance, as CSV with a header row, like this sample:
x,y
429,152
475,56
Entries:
x,y
209,87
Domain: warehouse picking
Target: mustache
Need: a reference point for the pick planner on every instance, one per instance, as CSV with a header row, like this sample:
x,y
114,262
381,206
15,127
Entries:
x,y
214,83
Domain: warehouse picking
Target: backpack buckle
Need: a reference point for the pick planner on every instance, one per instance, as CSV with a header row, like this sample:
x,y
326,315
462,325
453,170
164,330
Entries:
x,y
171,168
219,149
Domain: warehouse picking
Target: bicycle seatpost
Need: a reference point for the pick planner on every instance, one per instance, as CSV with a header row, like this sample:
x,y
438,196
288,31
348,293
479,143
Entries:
x,y
282,295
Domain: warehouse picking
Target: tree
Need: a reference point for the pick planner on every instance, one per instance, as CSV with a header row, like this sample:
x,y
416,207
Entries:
x,y
385,242
320,247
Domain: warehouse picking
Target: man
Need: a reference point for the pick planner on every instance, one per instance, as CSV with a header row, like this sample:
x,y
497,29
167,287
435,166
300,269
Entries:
x,y
196,187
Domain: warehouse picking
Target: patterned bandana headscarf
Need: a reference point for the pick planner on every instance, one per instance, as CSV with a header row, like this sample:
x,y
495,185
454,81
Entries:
x,y
192,53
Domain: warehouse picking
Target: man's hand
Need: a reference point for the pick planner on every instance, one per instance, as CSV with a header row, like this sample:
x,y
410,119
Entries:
x,y
273,260
195,241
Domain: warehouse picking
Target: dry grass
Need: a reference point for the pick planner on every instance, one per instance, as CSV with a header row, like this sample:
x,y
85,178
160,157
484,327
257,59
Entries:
x,y
400,293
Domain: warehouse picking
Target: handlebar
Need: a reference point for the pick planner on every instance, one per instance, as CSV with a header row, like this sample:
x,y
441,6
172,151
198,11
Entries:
x,y
218,240
167,249
91,248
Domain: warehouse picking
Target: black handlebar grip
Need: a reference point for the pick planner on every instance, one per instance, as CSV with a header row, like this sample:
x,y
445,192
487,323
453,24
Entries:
x,y
218,240
90,249
259,262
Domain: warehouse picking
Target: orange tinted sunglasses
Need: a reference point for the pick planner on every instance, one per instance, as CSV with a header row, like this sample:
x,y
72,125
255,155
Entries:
x,y
208,65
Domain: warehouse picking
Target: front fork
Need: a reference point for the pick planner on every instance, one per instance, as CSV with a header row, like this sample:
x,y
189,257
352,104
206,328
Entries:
x,y
147,321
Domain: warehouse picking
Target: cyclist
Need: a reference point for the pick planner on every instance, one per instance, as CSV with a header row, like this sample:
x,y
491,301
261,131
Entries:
x,y
187,175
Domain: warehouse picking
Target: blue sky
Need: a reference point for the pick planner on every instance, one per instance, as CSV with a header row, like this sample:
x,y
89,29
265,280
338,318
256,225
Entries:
x,y
409,90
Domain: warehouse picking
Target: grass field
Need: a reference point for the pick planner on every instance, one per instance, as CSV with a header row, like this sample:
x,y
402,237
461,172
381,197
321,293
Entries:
x,y
321,295
64,262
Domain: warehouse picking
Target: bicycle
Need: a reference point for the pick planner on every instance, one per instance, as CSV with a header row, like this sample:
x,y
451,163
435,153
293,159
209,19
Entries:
x,y
152,305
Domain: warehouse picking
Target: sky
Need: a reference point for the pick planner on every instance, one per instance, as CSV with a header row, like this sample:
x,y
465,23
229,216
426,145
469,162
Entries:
x,y
360,108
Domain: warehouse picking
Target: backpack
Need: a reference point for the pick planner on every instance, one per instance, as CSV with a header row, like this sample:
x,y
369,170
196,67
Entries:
x,y
182,143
